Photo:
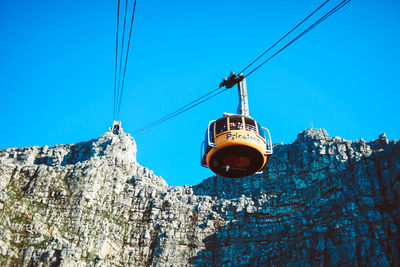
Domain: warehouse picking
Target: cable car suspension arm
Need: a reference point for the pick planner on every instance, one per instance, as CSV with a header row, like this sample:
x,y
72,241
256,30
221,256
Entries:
x,y
240,80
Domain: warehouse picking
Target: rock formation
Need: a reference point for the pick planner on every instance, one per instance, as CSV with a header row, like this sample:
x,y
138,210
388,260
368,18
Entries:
x,y
321,201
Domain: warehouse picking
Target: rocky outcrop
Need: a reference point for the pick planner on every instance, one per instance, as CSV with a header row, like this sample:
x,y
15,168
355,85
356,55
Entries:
x,y
320,201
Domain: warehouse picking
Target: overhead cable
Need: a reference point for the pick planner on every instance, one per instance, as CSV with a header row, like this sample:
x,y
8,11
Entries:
x,y
183,109
126,59
283,37
121,54
205,98
332,11
116,63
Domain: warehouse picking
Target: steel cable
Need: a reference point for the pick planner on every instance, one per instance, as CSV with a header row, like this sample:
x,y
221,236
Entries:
x,y
332,11
122,50
289,32
181,110
116,63
126,59
198,102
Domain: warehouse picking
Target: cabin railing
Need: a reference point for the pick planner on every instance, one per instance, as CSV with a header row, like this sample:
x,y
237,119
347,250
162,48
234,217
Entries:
x,y
268,140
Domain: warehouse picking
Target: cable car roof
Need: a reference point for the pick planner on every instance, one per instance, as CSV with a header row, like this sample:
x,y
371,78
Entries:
x,y
236,115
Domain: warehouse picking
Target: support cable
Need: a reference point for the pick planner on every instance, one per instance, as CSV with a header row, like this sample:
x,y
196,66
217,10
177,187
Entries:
x,y
332,11
205,98
122,50
183,109
116,63
289,32
126,59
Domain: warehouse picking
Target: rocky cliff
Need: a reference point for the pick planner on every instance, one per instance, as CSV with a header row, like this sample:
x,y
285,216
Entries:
x,y
321,201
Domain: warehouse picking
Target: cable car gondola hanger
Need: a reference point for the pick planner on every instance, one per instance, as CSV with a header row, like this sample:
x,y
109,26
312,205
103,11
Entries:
x,y
236,145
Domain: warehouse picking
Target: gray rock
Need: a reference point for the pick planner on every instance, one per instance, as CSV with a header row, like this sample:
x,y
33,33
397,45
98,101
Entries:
x,y
320,201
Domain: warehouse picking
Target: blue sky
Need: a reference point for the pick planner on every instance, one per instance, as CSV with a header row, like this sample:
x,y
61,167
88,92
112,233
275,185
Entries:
x,y
57,73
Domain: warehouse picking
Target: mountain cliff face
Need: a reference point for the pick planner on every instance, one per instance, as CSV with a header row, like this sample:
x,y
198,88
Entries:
x,y
322,201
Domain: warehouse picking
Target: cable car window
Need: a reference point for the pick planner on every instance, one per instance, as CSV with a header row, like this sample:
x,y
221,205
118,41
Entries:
x,y
221,126
212,132
250,125
260,130
235,123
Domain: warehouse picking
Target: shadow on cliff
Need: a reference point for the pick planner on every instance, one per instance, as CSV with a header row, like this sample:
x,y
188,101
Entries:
x,y
77,153
84,151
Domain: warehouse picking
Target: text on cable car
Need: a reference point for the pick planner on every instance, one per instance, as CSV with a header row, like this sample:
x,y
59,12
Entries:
x,y
242,136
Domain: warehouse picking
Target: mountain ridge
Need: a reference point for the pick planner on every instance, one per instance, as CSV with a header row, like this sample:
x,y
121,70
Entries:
x,y
320,201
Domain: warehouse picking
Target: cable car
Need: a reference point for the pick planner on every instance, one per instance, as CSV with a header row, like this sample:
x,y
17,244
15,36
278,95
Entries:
x,y
236,145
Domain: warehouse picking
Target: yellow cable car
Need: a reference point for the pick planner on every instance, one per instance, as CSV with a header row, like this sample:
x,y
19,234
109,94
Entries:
x,y
236,145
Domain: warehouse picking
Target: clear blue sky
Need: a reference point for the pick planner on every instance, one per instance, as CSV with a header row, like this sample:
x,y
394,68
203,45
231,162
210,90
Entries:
x,y
57,73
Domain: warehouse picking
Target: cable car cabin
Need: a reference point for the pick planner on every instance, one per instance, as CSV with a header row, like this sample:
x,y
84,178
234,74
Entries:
x,y
235,146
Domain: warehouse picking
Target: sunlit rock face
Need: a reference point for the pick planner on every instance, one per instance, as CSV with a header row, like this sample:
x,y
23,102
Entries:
x,y
320,201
